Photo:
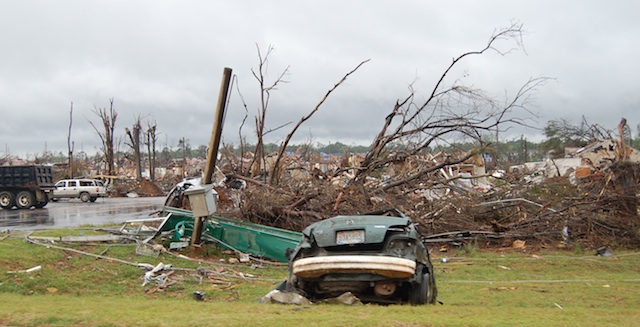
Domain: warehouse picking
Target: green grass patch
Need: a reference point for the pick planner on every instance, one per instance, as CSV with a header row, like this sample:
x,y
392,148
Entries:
x,y
476,288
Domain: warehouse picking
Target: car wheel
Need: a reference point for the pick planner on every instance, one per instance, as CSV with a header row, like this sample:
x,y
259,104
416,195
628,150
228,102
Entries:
x,y
85,197
6,200
25,200
419,291
93,199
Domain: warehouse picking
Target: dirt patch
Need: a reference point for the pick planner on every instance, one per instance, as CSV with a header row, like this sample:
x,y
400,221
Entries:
x,y
148,188
144,187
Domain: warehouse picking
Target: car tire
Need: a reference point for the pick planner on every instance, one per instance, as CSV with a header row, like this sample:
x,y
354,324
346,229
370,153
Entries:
x,y
433,291
93,199
7,200
85,197
25,200
420,290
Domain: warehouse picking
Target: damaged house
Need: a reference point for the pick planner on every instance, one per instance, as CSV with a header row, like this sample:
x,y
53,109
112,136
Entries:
x,y
579,163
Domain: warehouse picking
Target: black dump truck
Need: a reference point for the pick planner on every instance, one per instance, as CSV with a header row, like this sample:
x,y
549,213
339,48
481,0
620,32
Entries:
x,y
25,186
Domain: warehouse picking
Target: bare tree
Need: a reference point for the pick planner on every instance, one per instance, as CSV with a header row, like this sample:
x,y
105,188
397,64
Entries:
x,y
151,137
448,112
70,143
108,118
257,163
134,144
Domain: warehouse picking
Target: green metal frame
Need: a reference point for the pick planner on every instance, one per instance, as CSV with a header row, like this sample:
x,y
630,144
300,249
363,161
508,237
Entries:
x,y
260,240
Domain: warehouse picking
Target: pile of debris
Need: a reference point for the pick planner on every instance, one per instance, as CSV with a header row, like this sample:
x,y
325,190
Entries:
x,y
461,202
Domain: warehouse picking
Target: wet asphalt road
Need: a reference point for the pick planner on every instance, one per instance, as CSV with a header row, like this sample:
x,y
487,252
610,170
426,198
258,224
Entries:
x,y
73,213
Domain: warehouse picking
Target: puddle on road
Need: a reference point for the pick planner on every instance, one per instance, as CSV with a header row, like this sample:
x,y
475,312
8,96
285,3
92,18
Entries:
x,y
64,214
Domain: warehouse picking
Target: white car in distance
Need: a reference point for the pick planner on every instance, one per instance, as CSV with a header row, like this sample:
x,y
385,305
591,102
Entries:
x,y
84,189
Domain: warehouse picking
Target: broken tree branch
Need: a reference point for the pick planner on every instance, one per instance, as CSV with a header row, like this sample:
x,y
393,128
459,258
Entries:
x,y
276,165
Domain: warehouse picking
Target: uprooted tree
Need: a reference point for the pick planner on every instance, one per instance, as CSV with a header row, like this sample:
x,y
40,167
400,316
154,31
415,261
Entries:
x,y
411,128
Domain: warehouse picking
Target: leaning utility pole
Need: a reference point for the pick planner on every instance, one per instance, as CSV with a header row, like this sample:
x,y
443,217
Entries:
x,y
216,132
212,152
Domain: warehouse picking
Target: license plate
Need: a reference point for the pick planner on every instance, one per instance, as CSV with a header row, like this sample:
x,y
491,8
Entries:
x,y
350,237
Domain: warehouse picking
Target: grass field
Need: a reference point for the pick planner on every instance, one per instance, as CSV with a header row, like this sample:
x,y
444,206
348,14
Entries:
x,y
476,289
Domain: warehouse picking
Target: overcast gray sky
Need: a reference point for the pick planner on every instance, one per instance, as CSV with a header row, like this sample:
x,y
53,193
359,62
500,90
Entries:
x,y
163,61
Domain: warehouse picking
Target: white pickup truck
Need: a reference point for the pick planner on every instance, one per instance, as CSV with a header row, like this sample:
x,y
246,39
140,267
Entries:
x,y
84,189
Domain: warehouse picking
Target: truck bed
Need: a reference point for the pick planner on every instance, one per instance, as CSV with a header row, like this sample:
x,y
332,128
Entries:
x,y
26,177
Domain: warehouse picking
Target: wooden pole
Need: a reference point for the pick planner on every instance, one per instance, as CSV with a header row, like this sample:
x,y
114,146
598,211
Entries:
x,y
212,152
196,235
216,132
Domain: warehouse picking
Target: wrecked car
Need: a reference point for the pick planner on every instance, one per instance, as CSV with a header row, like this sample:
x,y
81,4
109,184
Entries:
x,y
378,258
